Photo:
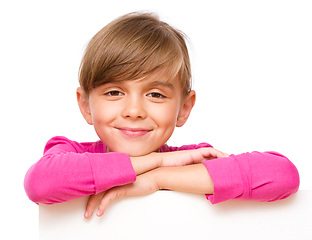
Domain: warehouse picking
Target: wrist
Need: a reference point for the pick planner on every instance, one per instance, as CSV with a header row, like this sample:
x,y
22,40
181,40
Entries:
x,y
146,163
156,158
158,175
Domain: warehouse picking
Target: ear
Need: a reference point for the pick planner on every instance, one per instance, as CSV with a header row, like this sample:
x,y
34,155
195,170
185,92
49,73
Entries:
x,y
84,107
186,108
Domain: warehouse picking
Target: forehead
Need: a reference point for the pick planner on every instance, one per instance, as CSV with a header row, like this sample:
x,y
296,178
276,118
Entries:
x,y
161,79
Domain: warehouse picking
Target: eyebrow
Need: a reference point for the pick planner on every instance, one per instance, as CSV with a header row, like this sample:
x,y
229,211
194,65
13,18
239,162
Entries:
x,y
152,84
161,83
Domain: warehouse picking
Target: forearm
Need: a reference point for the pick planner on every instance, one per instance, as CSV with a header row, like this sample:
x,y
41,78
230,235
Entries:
x,y
146,163
63,177
256,176
172,159
191,178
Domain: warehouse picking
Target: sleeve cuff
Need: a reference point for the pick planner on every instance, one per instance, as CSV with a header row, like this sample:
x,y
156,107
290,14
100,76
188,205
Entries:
x,y
110,170
227,180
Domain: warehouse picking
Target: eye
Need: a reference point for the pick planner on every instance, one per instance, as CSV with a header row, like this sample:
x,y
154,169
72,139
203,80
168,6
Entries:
x,y
155,95
114,93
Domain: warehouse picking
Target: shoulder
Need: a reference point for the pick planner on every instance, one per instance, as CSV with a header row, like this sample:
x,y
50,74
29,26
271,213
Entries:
x,y
166,148
63,144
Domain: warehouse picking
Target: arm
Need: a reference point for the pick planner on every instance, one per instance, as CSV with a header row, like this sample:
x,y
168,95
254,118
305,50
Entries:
x,y
256,176
64,177
267,176
192,179
69,170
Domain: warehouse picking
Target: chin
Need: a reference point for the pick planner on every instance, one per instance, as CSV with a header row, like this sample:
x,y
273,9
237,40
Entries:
x,y
132,152
136,153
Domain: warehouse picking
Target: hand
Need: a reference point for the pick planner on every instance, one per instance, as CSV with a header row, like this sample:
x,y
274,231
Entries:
x,y
155,160
144,184
187,157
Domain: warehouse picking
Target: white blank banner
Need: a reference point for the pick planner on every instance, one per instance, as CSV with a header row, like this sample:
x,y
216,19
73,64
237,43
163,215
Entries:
x,y
174,215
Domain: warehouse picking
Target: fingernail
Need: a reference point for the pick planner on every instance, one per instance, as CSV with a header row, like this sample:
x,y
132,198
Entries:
x,y
86,214
98,213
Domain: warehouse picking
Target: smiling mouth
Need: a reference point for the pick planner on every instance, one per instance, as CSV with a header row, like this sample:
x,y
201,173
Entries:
x,y
134,132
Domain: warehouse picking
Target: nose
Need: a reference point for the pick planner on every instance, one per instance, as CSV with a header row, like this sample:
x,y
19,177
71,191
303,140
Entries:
x,y
134,109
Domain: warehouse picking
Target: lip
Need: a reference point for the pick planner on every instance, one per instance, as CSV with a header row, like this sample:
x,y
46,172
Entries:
x,y
134,132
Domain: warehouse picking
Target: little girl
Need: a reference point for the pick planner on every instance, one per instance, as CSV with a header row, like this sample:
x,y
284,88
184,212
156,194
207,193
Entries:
x,y
135,88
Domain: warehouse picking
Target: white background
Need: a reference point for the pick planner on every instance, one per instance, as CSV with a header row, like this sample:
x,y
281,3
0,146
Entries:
x,y
252,67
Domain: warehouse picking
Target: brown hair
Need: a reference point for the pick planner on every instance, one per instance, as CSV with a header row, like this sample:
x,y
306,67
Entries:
x,y
132,47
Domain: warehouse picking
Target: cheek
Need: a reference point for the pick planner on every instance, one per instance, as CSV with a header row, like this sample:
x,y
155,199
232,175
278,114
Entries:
x,y
166,116
102,113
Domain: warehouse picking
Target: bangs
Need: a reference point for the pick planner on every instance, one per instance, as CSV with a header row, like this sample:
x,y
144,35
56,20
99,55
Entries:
x,y
131,48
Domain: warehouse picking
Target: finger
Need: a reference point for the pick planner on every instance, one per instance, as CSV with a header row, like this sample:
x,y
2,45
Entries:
x,y
219,154
107,198
209,153
215,153
91,204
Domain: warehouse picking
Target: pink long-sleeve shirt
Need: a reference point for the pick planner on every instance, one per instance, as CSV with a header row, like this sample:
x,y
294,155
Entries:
x,y
70,170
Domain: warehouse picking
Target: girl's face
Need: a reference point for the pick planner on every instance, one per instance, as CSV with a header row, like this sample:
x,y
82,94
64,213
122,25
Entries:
x,y
136,117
